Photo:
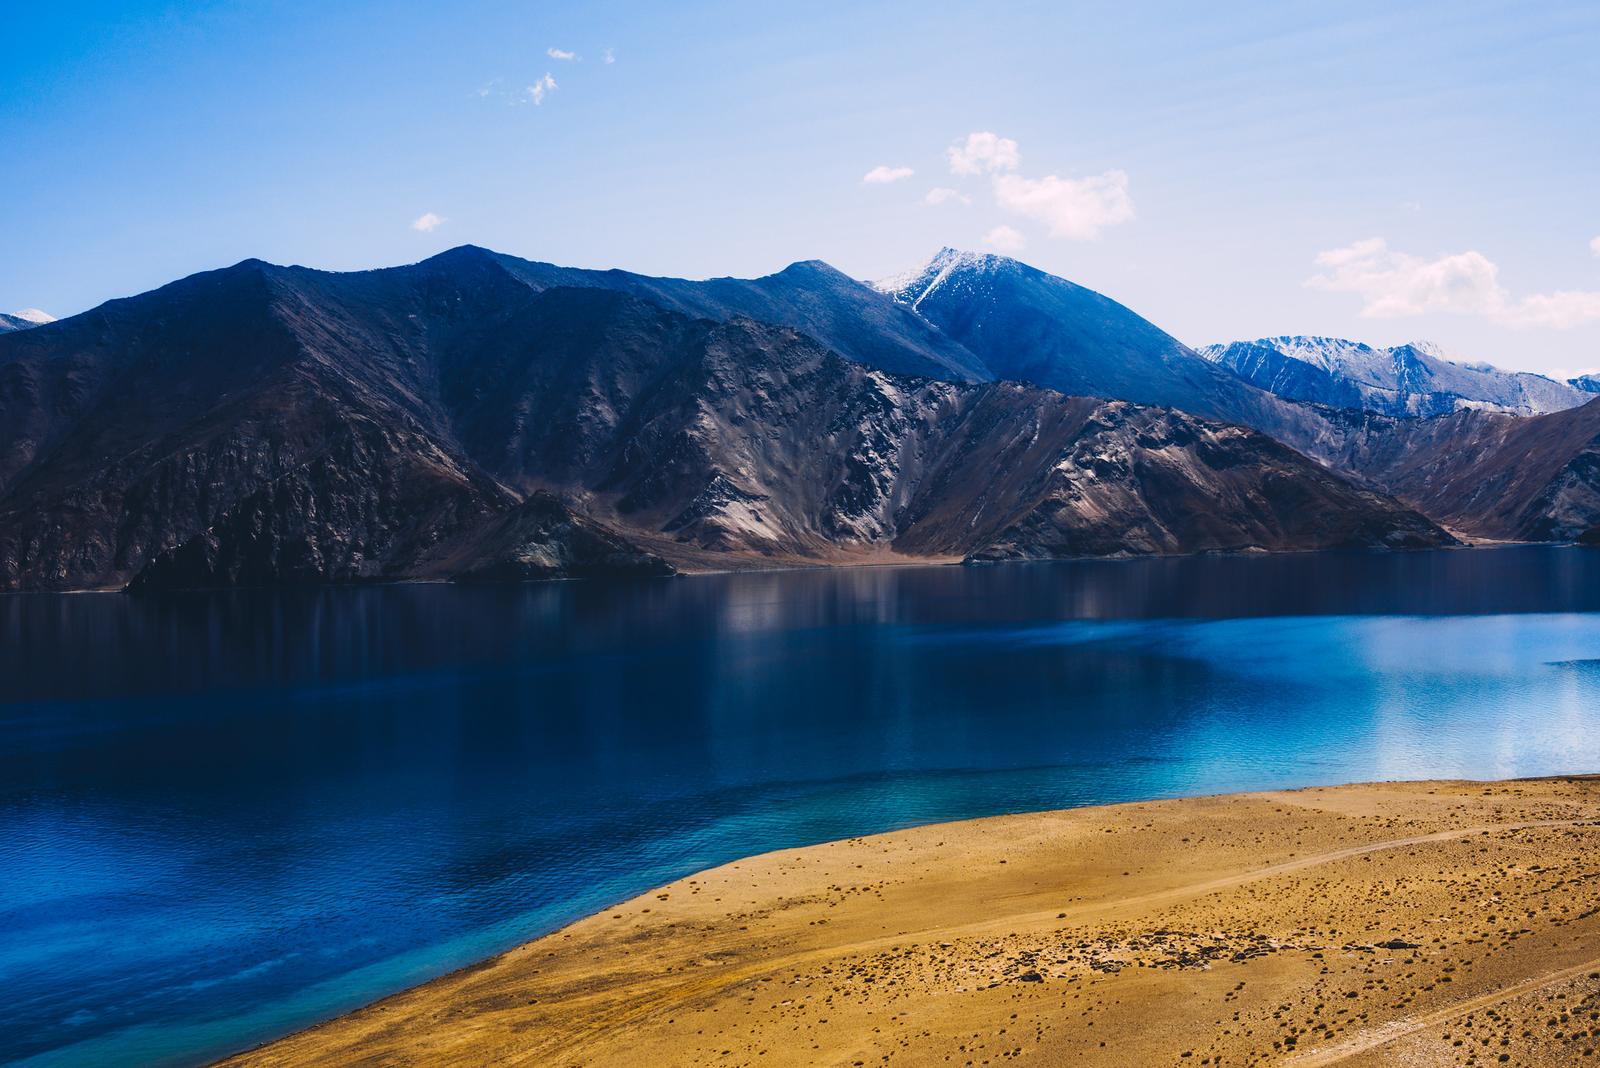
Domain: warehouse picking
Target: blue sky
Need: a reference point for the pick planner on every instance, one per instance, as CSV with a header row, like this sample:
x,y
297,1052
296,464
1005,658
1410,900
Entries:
x,y
1377,171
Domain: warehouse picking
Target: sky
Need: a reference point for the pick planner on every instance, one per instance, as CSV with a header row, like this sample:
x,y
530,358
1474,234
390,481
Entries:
x,y
1379,171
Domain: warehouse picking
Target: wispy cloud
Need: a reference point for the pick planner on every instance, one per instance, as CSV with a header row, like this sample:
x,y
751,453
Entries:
x,y
608,57
1561,310
535,93
983,151
1005,239
1075,208
561,54
883,174
1395,285
944,195
427,222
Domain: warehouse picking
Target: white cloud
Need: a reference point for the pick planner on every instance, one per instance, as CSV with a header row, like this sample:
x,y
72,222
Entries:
x,y
536,91
944,195
1395,285
608,57
1561,310
883,175
983,151
1075,208
561,54
427,222
1594,245
1005,239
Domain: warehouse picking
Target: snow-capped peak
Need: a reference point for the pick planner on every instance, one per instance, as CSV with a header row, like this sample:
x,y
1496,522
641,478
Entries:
x,y
34,315
1418,378
912,286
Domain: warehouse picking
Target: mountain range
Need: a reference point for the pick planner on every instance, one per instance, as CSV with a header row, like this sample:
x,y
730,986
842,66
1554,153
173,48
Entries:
x,y
481,417
1412,380
26,319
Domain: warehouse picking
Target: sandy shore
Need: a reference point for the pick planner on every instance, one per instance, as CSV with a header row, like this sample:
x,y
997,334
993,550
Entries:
x,y
1395,924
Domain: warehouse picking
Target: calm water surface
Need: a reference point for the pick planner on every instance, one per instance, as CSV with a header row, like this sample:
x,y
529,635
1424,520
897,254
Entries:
x,y
226,816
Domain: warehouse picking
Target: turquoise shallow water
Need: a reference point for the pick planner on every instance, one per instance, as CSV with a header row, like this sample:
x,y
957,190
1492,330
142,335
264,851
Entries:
x,y
226,816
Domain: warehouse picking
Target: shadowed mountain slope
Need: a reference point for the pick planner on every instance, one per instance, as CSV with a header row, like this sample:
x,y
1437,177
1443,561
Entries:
x,y
847,316
267,424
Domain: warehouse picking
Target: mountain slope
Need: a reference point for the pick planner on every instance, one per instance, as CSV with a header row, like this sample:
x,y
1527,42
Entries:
x,y
1481,472
1488,474
1407,381
1030,326
266,424
847,316
1026,325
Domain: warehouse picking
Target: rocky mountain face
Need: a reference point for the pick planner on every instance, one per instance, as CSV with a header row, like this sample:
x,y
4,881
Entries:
x,y
1483,470
1488,475
1407,381
483,418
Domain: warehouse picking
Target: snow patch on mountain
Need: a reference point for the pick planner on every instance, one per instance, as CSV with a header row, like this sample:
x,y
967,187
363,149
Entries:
x,y
949,267
1418,379
25,319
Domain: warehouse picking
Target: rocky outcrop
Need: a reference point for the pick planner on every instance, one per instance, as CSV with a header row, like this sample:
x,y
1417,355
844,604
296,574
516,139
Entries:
x,y
1137,480
373,505
541,538
1491,475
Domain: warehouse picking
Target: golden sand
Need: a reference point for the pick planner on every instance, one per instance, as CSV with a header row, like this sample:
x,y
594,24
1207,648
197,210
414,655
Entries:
x,y
1394,924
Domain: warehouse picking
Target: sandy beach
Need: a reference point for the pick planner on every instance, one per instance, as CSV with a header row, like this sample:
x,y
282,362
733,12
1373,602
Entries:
x,y
1435,923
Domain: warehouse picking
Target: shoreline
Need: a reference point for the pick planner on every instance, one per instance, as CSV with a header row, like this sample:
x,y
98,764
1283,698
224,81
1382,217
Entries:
x,y
755,566
912,945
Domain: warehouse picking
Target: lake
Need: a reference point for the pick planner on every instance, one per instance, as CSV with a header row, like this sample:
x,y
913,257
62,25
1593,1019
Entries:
x,y
226,816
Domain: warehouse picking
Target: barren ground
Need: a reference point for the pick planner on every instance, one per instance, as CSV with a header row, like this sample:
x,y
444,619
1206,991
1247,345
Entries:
x,y
1436,923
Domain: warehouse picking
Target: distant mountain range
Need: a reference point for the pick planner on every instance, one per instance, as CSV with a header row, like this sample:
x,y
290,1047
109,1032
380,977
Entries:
x,y
485,418
1407,381
23,320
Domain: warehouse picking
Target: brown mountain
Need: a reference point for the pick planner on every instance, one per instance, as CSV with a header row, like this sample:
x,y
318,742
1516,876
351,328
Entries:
x,y
1488,475
472,417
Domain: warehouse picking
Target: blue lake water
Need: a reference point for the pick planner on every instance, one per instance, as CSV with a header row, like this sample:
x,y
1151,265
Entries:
x,y
226,816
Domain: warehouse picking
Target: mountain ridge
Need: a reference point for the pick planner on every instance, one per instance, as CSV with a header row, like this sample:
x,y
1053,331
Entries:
x,y
1413,380
264,424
